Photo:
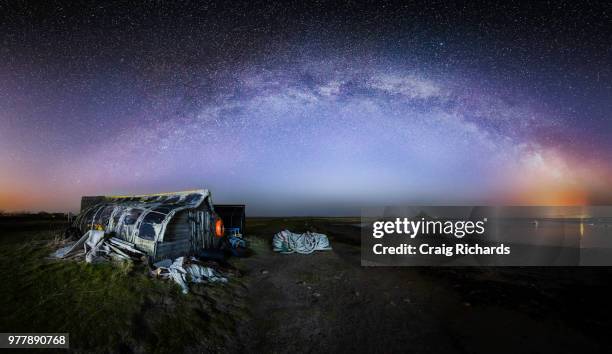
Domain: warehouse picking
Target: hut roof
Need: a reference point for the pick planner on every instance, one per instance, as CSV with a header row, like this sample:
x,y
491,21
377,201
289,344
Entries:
x,y
149,212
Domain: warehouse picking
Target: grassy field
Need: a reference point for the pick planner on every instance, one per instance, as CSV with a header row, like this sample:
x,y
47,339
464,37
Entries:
x,y
116,307
106,307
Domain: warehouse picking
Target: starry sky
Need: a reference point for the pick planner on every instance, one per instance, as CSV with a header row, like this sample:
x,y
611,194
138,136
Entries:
x,y
301,108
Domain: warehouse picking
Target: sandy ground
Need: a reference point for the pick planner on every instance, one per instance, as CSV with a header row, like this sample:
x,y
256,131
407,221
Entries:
x,y
327,301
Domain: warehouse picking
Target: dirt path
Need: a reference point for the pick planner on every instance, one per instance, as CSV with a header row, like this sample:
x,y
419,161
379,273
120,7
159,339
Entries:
x,y
308,302
327,301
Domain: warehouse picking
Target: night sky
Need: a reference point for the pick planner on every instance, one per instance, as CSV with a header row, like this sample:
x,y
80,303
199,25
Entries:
x,y
306,109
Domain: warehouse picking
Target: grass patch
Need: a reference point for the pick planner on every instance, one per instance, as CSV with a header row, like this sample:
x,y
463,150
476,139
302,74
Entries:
x,y
110,307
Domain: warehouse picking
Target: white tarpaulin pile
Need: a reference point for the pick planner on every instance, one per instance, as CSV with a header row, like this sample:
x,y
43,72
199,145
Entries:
x,y
289,242
94,247
183,272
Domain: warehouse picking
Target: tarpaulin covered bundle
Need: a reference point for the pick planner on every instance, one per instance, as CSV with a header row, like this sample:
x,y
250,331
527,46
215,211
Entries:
x,y
183,272
237,242
93,246
289,242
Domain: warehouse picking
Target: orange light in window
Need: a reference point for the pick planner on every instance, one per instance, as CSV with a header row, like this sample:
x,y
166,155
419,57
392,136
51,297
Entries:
x,y
219,228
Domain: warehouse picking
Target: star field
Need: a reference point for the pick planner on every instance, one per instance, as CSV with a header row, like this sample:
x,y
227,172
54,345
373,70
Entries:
x,y
298,108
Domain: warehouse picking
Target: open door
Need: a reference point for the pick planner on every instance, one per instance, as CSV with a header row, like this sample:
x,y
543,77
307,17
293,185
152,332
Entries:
x,y
233,216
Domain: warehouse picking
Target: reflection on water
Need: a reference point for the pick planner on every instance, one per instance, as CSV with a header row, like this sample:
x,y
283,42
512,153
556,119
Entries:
x,y
596,234
584,233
